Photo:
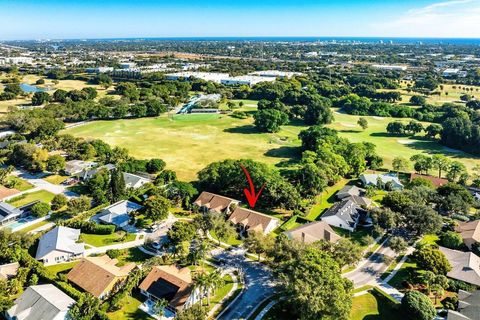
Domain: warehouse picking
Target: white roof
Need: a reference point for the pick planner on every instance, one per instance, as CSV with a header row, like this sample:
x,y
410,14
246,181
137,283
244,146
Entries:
x,y
41,302
60,239
465,265
372,178
118,213
132,179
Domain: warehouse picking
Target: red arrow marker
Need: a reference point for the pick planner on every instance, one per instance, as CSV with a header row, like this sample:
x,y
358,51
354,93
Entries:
x,y
252,197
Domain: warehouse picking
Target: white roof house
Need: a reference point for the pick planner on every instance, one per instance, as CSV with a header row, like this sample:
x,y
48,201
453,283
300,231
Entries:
x,y
60,245
344,214
119,213
275,74
207,76
465,265
372,179
89,173
74,167
8,213
134,181
390,67
45,302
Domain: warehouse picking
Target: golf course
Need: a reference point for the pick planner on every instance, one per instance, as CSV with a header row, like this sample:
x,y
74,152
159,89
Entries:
x,y
189,142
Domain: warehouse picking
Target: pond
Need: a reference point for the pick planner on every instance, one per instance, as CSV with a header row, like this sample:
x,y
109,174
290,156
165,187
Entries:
x,y
29,88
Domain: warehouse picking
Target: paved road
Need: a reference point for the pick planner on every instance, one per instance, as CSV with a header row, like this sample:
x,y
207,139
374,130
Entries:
x,y
371,269
259,283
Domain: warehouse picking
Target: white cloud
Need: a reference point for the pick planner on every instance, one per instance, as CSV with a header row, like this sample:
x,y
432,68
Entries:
x,y
456,18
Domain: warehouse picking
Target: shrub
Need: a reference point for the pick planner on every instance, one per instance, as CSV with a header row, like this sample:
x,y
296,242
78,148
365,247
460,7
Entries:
x,y
451,239
113,253
40,209
91,227
58,201
418,306
450,303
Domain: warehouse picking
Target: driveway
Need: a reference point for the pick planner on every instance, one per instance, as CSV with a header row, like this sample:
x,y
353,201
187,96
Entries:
x,y
40,184
259,283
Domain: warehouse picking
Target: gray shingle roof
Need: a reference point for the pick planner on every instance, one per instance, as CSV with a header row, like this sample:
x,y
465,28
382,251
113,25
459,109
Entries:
x,y
118,213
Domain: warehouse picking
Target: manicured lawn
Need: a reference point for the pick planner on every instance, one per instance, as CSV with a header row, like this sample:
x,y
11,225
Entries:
x,y
429,239
389,147
221,292
20,184
403,273
373,306
55,178
132,255
356,236
100,240
130,310
34,226
27,198
61,267
325,200
233,241
190,142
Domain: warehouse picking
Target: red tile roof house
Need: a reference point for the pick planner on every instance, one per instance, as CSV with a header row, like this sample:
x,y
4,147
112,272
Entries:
x,y
437,182
248,220
207,201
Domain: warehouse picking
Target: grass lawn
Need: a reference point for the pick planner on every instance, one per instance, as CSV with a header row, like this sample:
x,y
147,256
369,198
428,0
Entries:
x,y
34,226
132,255
356,236
402,274
389,147
130,310
100,240
205,137
325,200
429,239
19,183
374,306
233,241
27,198
55,178
62,267
221,292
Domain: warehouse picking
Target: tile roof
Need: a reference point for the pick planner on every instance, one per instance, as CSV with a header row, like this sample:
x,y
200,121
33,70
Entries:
x,y
96,274
169,282
437,182
251,220
470,232
468,306
61,239
312,232
214,201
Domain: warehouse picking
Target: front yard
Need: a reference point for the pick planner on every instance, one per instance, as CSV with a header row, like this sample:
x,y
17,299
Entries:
x,y
374,306
101,240
42,195
56,179
19,183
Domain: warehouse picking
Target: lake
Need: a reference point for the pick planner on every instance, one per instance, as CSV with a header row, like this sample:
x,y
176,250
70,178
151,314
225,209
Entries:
x,y
29,88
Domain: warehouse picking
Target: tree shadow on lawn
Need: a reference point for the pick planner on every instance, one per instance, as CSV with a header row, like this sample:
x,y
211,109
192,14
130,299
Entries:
x,y
246,129
350,131
386,309
283,152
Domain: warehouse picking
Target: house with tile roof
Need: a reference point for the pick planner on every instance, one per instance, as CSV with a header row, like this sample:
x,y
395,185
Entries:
x,y
45,302
60,245
248,220
465,265
173,284
313,232
470,232
207,201
436,181
99,276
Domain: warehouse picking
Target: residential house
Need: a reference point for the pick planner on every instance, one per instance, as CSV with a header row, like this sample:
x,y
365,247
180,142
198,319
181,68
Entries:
x,y
465,265
349,191
9,213
89,173
134,181
45,302
470,232
213,202
119,213
313,232
9,270
344,214
172,284
99,275
248,220
76,167
60,245
381,180
437,182
468,306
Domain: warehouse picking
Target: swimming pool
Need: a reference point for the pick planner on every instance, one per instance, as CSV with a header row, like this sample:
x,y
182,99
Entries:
x,y
17,224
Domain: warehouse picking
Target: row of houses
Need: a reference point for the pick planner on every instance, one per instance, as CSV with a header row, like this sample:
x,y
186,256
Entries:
x,y
101,276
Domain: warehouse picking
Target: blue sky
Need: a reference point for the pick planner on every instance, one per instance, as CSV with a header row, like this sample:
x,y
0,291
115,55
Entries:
x,y
60,19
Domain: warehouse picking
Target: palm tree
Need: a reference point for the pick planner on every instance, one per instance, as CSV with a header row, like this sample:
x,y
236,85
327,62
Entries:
x,y
201,283
159,307
214,280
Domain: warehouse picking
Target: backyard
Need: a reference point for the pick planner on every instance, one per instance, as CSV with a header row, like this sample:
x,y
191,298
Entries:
x,y
27,198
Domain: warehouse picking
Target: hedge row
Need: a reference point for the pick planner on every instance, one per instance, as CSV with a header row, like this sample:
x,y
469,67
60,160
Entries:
x,y
91,227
